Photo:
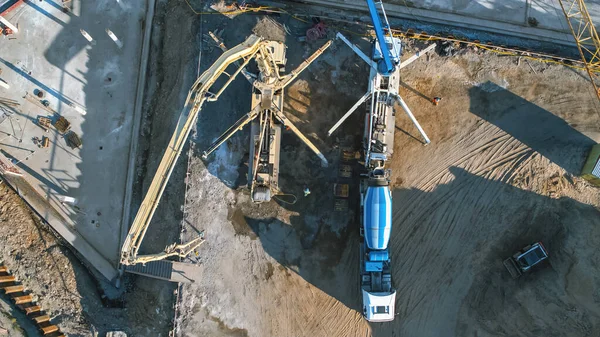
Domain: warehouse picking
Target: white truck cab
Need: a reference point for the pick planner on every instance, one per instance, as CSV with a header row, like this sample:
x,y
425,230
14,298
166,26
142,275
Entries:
x,y
379,307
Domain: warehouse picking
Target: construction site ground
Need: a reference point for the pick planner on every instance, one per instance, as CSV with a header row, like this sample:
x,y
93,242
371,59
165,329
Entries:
x,y
508,140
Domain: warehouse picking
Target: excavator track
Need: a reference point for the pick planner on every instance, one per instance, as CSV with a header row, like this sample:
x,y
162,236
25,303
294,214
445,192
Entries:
x,y
23,300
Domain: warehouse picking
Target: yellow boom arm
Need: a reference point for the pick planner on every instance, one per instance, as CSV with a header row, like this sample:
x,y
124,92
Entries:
x,y
198,94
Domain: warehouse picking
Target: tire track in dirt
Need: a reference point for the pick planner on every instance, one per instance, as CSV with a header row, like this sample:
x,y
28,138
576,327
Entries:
x,y
454,192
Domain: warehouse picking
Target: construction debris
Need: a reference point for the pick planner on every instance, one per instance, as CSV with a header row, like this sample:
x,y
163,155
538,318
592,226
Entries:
x,y
43,143
4,114
62,125
7,167
447,48
42,104
9,102
25,301
318,31
73,140
44,123
269,29
8,25
231,11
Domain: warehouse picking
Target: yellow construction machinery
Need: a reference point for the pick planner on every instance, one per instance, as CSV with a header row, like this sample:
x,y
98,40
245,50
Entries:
x,y
586,37
267,106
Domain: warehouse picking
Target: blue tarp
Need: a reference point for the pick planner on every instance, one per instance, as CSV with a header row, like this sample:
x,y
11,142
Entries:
x,y
378,217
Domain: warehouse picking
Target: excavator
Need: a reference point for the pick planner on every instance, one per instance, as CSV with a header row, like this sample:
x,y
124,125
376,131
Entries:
x,y
267,121
378,293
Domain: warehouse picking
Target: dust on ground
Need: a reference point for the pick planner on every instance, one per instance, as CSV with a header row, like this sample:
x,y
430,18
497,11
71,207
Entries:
x,y
500,173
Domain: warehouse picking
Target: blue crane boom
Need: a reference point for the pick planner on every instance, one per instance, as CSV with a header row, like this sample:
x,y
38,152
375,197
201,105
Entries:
x,y
385,66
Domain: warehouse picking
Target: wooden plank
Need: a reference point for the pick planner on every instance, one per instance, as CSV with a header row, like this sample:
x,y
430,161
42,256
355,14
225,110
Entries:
x,y
23,299
3,269
8,278
9,25
41,319
49,329
13,289
32,309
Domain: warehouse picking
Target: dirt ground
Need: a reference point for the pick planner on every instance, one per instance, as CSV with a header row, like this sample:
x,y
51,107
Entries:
x,y
64,287
508,140
501,172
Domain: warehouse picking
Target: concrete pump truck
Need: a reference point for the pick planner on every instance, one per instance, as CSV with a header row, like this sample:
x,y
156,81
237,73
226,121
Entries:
x,y
378,293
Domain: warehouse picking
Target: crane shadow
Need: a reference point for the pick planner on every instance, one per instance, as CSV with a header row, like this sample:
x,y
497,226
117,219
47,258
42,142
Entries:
x,y
539,129
466,217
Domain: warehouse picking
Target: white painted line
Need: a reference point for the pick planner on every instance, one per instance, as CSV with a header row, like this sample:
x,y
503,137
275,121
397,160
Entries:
x,y
87,36
417,55
9,25
114,38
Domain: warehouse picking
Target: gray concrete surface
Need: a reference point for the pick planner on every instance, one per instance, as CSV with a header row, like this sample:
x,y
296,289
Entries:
x,y
510,17
51,54
547,12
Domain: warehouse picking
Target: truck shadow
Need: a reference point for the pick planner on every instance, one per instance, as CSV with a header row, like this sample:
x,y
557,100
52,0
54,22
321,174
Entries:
x,y
448,246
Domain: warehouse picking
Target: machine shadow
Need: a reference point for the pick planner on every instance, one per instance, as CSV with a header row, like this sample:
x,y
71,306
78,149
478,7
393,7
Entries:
x,y
440,241
447,247
532,125
313,102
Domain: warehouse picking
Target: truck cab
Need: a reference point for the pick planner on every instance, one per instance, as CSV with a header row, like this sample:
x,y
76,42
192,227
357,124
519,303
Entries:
x,y
379,307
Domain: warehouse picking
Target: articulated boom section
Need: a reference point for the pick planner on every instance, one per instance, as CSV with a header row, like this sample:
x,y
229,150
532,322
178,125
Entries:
x,y
267,106
199,93
380,119
263,165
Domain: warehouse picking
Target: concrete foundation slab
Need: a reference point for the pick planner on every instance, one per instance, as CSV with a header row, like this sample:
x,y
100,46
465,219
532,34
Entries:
x,y
81,74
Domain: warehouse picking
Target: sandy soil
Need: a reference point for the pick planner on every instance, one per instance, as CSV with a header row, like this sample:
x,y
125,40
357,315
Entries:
x,y
501,172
